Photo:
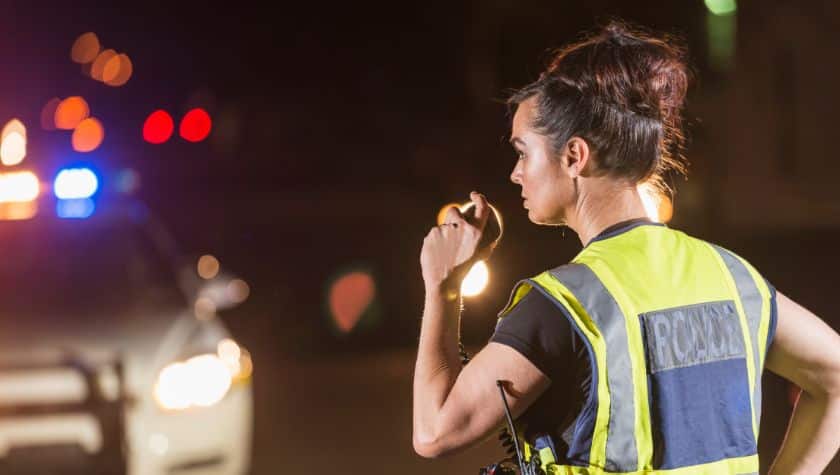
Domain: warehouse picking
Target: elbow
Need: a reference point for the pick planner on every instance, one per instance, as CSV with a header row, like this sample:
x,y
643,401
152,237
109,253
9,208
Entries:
x,y
426,446
429,446
440,437
427,451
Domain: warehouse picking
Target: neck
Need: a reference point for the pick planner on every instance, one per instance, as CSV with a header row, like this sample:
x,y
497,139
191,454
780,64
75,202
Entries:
x,y
600,205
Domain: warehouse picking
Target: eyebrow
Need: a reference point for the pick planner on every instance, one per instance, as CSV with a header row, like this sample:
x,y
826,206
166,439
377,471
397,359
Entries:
x,y
516,141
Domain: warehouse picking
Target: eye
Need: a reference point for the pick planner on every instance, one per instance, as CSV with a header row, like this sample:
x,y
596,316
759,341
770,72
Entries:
x,y
520,154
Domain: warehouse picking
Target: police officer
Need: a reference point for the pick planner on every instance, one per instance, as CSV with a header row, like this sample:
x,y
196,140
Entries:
x,y
645,353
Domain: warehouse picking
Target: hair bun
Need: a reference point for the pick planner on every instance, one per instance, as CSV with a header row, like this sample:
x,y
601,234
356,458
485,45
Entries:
x,y
619,32
629,86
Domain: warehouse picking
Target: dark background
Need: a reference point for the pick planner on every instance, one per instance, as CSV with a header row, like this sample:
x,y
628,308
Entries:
x,y
341,129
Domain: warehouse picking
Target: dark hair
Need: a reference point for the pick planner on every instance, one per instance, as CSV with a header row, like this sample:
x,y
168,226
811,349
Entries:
x,y
622,90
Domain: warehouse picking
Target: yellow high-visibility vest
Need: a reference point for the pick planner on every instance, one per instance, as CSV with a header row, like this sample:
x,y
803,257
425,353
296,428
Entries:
x,y
677,330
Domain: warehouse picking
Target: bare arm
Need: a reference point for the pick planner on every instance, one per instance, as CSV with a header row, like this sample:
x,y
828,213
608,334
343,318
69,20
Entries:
x,y
806,351
455,408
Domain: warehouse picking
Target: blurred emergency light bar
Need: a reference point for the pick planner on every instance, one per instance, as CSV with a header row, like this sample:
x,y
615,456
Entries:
x,y
78,208
18,187
75,183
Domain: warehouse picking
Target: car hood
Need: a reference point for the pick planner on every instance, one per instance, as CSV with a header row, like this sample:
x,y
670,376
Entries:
x,y
142,345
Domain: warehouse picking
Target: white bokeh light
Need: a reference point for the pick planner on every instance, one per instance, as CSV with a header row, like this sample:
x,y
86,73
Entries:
x,y
650,200
18,187
200,381
476,280
13,149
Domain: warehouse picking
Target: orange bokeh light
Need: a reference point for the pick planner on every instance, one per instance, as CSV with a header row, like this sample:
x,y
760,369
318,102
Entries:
x,y
117,70
18,211
85,48
70,112
666,209
349,297
97,71
48,114
88,135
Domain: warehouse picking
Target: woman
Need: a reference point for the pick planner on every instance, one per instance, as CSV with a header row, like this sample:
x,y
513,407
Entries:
x,y
645,353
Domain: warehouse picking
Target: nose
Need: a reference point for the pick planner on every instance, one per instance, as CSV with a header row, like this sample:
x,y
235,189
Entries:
x,y
516,174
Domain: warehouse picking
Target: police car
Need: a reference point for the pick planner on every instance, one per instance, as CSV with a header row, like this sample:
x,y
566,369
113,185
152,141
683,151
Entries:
x,y
112,359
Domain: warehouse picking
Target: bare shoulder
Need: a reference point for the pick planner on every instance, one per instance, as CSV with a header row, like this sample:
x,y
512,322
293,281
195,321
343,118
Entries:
x,y
805,349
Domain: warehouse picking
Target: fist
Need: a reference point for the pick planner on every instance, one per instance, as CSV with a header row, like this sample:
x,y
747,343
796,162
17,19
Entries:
x,y
449,250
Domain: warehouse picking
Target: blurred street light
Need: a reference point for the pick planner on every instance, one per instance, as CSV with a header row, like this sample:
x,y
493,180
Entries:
x,y
48,114
117,70
196,125
127,181
238,290
97,70
18,187
85,48
721,7
18,211
721,31
350,297
88,135
208,266
158,127
70,112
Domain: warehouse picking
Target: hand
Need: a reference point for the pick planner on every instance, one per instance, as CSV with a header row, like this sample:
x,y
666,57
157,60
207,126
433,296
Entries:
x,y
449,250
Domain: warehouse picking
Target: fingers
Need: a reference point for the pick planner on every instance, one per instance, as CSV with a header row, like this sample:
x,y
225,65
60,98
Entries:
x,y
453,216
482,209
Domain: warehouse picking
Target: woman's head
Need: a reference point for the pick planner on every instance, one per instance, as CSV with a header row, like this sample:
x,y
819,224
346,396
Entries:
x,y
608,107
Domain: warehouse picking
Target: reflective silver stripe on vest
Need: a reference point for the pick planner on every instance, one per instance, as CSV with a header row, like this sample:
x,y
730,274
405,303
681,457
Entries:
x,y
602,308
752,302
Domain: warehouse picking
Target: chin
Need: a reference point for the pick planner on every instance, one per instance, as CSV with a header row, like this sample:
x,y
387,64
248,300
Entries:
x,y
536,218
545,221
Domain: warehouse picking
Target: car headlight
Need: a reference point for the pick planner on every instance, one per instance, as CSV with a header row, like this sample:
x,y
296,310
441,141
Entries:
x,y
203,380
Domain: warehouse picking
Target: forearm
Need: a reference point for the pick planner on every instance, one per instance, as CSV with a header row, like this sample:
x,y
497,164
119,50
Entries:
x,y
812,439
438,361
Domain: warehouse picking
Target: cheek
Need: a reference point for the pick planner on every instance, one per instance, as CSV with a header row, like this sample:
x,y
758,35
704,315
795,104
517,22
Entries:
x,y
545,186
550,198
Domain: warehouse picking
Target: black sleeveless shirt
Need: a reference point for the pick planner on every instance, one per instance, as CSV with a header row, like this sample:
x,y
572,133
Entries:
x,y
538,330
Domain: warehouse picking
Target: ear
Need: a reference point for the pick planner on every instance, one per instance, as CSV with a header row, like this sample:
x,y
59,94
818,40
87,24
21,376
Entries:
x,y
577,156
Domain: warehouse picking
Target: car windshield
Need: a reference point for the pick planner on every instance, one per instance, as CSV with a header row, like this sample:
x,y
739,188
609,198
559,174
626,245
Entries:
x,y
84,269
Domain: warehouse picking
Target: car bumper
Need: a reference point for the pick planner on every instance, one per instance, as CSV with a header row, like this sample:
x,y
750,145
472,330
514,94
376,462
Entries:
x,y
212,440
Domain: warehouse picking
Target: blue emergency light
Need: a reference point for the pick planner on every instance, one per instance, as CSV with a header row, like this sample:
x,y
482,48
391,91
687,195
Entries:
x,y
75,183
76,208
